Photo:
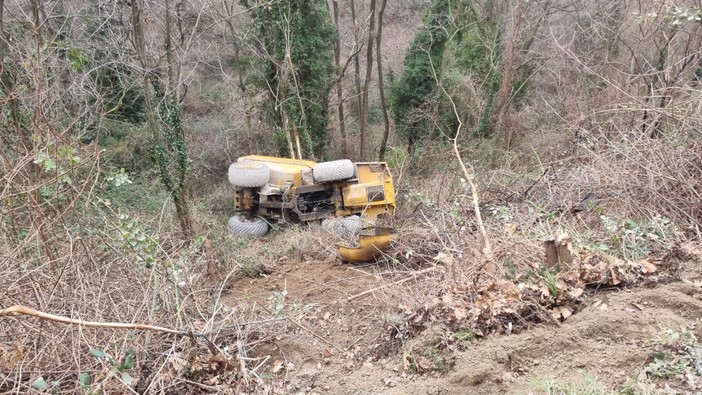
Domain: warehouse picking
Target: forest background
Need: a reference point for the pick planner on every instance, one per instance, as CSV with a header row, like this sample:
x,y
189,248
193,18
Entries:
x,y
120,118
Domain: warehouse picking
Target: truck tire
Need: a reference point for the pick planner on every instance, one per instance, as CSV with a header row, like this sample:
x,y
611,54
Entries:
x,y
333,170
241,226
248,174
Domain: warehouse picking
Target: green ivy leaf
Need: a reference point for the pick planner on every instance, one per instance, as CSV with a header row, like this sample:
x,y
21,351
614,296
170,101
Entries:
x,y
127,378
84,378
49,164
128,363
40,384
96,353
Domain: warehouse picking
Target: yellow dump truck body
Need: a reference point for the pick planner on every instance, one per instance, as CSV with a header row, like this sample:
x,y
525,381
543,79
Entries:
x,y
295,190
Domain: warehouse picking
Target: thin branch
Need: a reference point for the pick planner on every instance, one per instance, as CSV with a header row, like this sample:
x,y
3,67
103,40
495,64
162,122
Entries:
x,y
23,310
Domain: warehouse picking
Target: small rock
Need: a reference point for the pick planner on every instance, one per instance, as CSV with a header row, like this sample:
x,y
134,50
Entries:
x,y
508,377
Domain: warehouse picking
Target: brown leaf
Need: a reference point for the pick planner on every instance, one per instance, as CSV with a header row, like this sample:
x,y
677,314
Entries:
x,y
566,312
576,292
277,367
562,312
448,298
328,352
490,268
648,267
614,280
513,295
460,313
406,363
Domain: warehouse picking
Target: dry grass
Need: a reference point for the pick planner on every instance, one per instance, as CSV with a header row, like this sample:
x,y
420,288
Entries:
x,y
94,275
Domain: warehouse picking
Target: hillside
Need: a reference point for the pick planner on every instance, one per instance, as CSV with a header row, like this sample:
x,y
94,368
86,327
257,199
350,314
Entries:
x,y
505,125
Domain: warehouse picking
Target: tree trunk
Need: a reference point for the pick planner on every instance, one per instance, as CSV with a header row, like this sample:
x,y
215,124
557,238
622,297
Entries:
x,y
356,60
247,109
381,84
2,37
184,215
366,84
339,90
509,76
139,40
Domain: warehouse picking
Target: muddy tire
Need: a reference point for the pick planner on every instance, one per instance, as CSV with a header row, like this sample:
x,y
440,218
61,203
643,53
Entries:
x,y
333,170
241,226
248,174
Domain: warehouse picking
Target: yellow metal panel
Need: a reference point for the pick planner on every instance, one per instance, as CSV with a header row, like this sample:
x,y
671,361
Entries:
x,y
370,246
273,159
282,169
355,194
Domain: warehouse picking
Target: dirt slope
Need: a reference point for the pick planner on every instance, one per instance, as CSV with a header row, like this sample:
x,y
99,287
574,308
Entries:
x,y
338,344
609,343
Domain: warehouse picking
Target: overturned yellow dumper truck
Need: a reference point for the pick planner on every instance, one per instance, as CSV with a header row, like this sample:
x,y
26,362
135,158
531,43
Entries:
x,y
294,190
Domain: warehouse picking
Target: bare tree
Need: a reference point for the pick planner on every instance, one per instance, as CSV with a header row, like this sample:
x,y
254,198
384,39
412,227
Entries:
x,y
366,85
165,118
356,60
339,88
381,84
510,68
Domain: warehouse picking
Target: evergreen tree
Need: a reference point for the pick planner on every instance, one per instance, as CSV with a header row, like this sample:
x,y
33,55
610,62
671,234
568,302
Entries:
x,y
296,42
416,88
455,43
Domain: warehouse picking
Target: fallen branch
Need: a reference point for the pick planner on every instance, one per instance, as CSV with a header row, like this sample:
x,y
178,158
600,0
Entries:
x,y
23,310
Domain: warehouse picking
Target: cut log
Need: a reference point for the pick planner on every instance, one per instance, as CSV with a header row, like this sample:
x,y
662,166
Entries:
x,y
559,251
551,252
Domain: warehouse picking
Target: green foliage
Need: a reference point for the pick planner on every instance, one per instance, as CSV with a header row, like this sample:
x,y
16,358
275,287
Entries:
x,y
458,43
136,238
395,157
120,366
548,276
586,385
276,302
678,353
455,43
127,191
679,15
40,384
118,89
84,379
302,29
170,152
464,337
56,163
633,240
415,90
126,145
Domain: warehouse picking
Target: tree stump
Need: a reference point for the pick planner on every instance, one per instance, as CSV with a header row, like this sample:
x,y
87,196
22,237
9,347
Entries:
x,y
559,250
